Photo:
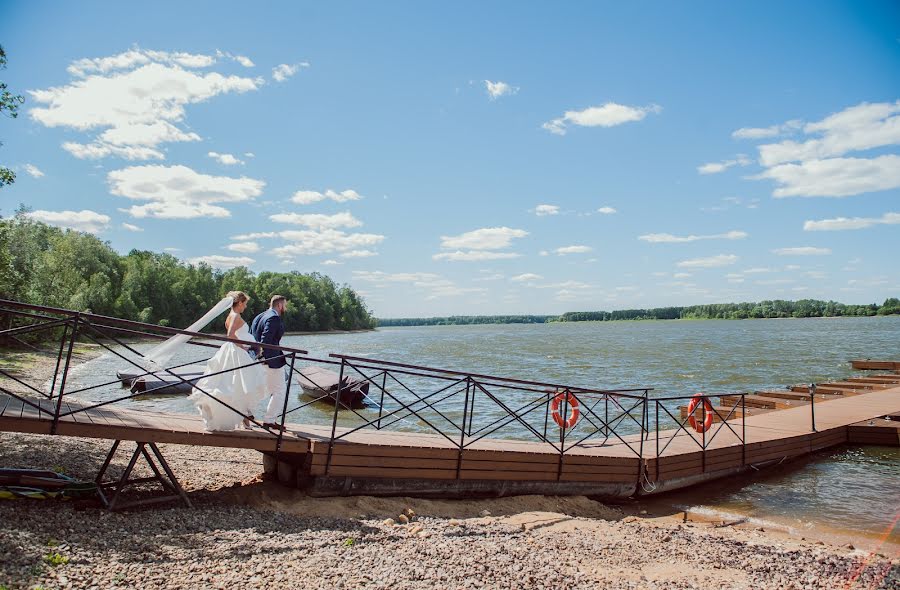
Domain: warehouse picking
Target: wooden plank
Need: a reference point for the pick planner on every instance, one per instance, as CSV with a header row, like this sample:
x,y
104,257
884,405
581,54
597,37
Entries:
x,y
757,401
798,395
379,473
843,391
873,365
384,462
887,379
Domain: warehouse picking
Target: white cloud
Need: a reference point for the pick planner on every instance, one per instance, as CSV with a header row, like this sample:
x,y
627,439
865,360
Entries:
x,y
802,251
709,262
331,262
764,132
682,275
249,155
222,262
256,236
474,255
84,220
309,197
435,286
716,167
573,250
132,227
542,210
488,238
526,277
835,177
497,89
325,241
606,210
178,192
244,247
244,61
33,171
845,223
225,159
606,115
318,220
359,254
172,249
671,239
134,99
282,72
861,127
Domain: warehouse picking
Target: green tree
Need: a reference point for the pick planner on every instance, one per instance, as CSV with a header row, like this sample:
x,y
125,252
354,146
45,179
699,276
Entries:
x,y
9,106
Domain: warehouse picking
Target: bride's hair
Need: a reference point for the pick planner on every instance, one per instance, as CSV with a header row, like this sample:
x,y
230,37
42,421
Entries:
x,y
237,297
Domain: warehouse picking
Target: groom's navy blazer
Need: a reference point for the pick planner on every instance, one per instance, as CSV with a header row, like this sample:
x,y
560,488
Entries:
x,y
268,328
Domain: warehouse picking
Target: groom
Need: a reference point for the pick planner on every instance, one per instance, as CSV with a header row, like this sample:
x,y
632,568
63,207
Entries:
x,y
268,328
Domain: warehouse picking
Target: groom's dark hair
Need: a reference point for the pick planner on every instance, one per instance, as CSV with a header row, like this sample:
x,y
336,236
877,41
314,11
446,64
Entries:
x,y
276,299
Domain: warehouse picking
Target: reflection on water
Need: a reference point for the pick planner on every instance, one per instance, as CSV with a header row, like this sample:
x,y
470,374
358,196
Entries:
x,y
852,488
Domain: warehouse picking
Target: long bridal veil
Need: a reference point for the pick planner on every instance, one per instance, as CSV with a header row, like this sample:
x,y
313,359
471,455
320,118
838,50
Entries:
x,y
161,354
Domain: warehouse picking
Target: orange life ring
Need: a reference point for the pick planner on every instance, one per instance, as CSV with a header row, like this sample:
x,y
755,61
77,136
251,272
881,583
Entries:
x,y
572,403
708,410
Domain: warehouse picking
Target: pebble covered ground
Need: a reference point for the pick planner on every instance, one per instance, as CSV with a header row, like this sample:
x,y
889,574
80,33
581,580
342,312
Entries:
x,y
257,534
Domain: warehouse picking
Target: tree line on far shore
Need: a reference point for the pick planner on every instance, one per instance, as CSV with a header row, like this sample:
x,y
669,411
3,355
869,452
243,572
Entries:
x,y
805,308
45,265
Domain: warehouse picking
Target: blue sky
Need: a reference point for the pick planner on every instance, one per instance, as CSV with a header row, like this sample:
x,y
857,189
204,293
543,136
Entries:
x,y
475,158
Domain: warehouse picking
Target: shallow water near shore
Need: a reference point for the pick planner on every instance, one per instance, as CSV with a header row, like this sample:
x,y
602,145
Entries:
x,y
851,490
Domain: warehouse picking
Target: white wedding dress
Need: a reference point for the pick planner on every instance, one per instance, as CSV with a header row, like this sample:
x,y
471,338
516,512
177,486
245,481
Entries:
x,y
242,389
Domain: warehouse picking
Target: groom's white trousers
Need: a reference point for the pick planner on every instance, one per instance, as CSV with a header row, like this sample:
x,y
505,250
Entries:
x,y
276,384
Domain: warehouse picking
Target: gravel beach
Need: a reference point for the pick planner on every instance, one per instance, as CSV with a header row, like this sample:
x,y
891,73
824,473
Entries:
x,y
248,533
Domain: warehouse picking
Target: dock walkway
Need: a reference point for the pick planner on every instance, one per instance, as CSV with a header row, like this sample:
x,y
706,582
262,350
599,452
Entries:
x,y
405,462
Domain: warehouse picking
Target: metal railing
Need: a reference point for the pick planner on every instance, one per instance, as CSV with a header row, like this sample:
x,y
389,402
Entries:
x,y
452,409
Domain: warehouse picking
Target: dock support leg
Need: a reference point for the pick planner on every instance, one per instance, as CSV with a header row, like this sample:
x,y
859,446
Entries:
x,y
110,492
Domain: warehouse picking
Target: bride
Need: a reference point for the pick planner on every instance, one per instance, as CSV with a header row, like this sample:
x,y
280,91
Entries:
x,y
241,388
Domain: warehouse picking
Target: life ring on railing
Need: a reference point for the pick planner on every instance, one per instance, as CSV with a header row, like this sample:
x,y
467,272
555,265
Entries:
x,y
572,403
707,409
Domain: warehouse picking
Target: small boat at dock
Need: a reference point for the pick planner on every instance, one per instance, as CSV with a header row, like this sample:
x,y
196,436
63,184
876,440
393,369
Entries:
x,y
322,384
174,381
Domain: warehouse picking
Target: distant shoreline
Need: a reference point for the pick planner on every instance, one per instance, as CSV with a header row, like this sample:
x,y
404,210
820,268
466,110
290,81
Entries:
x,y
768,309
427,323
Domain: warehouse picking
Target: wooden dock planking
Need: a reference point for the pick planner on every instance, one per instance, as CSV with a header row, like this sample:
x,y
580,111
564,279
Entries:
x,y
873,365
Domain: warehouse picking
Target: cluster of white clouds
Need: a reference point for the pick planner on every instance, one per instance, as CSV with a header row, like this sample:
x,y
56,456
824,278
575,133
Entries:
x,y
846,223
225,159
486,243
818,163
433,285
497,89
716,167
178,192
134,102
671,239
309,197
609,114
282,72
85,220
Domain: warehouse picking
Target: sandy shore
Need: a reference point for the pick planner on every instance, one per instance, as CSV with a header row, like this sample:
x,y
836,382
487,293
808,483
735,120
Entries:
x,y
249,533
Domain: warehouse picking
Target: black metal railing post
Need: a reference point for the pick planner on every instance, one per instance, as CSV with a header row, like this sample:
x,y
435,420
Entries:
x,y
462,430
812,405
381,399
703,422
62,345
337,403
564,416
65,374
743,429
287,396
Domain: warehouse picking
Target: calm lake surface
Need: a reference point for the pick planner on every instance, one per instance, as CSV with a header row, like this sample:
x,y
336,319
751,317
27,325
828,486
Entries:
x,y
853,489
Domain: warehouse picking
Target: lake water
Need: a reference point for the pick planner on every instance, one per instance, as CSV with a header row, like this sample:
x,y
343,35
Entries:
x,y
853,489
